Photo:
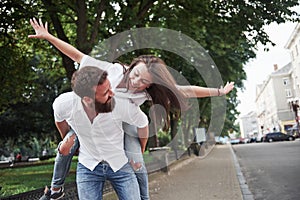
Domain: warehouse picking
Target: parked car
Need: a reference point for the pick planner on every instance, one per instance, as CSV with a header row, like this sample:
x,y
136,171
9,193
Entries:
x,y
252,139
221,140
293,131
235,140
277,136
244,140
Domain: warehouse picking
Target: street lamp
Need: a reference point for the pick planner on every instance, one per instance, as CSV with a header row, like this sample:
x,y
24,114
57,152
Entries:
x,y
295,107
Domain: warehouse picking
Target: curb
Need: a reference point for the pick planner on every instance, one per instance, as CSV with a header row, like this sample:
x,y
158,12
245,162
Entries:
x,y
247,194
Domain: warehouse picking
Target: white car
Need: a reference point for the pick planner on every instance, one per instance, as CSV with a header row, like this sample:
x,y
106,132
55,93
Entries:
x,y
235,141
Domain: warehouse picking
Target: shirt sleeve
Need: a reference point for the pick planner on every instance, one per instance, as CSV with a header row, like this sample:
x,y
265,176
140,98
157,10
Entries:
x,y
62,108
130,113
115,70
138,98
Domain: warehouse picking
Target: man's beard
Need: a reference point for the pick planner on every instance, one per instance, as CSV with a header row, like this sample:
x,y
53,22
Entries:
x,y
106,107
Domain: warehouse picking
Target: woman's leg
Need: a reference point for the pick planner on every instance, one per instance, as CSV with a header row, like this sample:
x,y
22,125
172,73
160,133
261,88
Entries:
x,y
62,166
63,161
134,153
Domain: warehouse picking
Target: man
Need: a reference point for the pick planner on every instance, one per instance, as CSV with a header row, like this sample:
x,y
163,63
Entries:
x,y
96,117
115,75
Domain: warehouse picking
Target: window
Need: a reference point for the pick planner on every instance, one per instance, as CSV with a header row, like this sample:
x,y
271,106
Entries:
x,y
286,81
288,93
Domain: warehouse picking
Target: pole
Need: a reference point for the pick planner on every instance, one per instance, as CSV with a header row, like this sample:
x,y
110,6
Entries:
x,y
295,106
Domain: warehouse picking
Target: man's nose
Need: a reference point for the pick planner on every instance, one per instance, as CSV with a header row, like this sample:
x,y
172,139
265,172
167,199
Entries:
x,y
111,94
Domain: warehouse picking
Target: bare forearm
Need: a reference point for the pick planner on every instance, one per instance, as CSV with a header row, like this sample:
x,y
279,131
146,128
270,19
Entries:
x,y
198,92
143,134
192,91
63,128
65,48
143,142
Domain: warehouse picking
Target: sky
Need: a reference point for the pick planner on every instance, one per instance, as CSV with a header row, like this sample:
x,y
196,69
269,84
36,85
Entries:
x,y
258,69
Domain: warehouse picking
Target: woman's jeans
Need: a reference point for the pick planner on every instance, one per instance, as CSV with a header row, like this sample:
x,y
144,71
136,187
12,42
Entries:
x,y
133,151
62,162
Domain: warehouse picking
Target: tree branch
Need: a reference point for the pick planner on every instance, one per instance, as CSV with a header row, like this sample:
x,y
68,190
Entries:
x,y
81,26
67,62
143,10
95,29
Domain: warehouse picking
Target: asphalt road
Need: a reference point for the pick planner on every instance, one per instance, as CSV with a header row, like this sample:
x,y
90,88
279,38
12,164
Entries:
x,y
272,170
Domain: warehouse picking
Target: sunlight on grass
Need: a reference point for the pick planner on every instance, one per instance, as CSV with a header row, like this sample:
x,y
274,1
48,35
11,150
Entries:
x,y
24,179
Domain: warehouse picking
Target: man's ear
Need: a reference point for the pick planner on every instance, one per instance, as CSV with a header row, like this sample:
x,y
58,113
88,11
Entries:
x,y
88,100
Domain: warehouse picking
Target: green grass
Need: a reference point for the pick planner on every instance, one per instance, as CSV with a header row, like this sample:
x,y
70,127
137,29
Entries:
x,y
23,179
147,157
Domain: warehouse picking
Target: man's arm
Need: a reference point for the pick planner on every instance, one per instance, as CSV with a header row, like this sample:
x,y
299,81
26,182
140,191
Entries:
x,y
143,134
63,128
41,32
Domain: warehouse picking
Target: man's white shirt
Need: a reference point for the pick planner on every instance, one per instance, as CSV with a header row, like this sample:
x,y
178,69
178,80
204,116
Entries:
x,y
103,138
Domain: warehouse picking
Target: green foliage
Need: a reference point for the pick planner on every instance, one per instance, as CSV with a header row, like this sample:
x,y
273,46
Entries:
x,y
14,61
164,138
33,73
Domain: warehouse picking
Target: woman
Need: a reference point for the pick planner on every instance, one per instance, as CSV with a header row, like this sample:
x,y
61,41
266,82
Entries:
x,y
145,78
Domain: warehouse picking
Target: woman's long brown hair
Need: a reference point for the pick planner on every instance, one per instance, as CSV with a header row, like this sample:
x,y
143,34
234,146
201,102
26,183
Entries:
x,y
163,90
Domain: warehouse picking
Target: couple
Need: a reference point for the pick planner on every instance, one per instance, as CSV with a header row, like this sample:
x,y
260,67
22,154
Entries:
x,y
101,134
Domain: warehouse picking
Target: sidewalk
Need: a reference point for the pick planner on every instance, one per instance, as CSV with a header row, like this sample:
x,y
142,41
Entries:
x,y
211,178
214,177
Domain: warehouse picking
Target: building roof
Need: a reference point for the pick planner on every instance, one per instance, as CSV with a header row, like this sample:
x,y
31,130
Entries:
x,y
287,69
249,114
284,70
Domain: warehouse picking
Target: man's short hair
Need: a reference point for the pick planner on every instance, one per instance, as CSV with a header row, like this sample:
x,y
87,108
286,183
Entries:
x,y
85,79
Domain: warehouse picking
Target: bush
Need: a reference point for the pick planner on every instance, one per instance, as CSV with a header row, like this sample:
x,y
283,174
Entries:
x,y
163,138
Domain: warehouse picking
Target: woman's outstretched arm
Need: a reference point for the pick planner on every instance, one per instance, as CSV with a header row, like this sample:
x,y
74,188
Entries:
x,y
192,91
41,32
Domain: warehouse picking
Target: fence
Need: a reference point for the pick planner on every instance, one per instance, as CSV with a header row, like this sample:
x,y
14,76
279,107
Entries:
x,y
162,158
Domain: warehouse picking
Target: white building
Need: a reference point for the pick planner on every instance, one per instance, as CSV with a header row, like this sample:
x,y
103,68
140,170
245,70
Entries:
x,y
274,112
248,125
293,45
274,96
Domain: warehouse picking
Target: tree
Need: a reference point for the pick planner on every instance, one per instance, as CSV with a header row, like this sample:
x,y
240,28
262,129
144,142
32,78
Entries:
x,y
228,30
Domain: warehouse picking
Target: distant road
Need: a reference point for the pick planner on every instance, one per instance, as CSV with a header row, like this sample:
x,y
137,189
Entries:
x,y
272,170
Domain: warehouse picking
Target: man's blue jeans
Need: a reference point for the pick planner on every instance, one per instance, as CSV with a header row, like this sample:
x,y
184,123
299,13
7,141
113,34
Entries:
x,y
133,151
62,163
90,183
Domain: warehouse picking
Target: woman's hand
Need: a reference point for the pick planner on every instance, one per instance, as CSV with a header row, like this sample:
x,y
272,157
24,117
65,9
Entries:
x,y
41,30
226,89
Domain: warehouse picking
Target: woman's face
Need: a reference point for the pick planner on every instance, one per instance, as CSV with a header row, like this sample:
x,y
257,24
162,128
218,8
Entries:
x,y
139,78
